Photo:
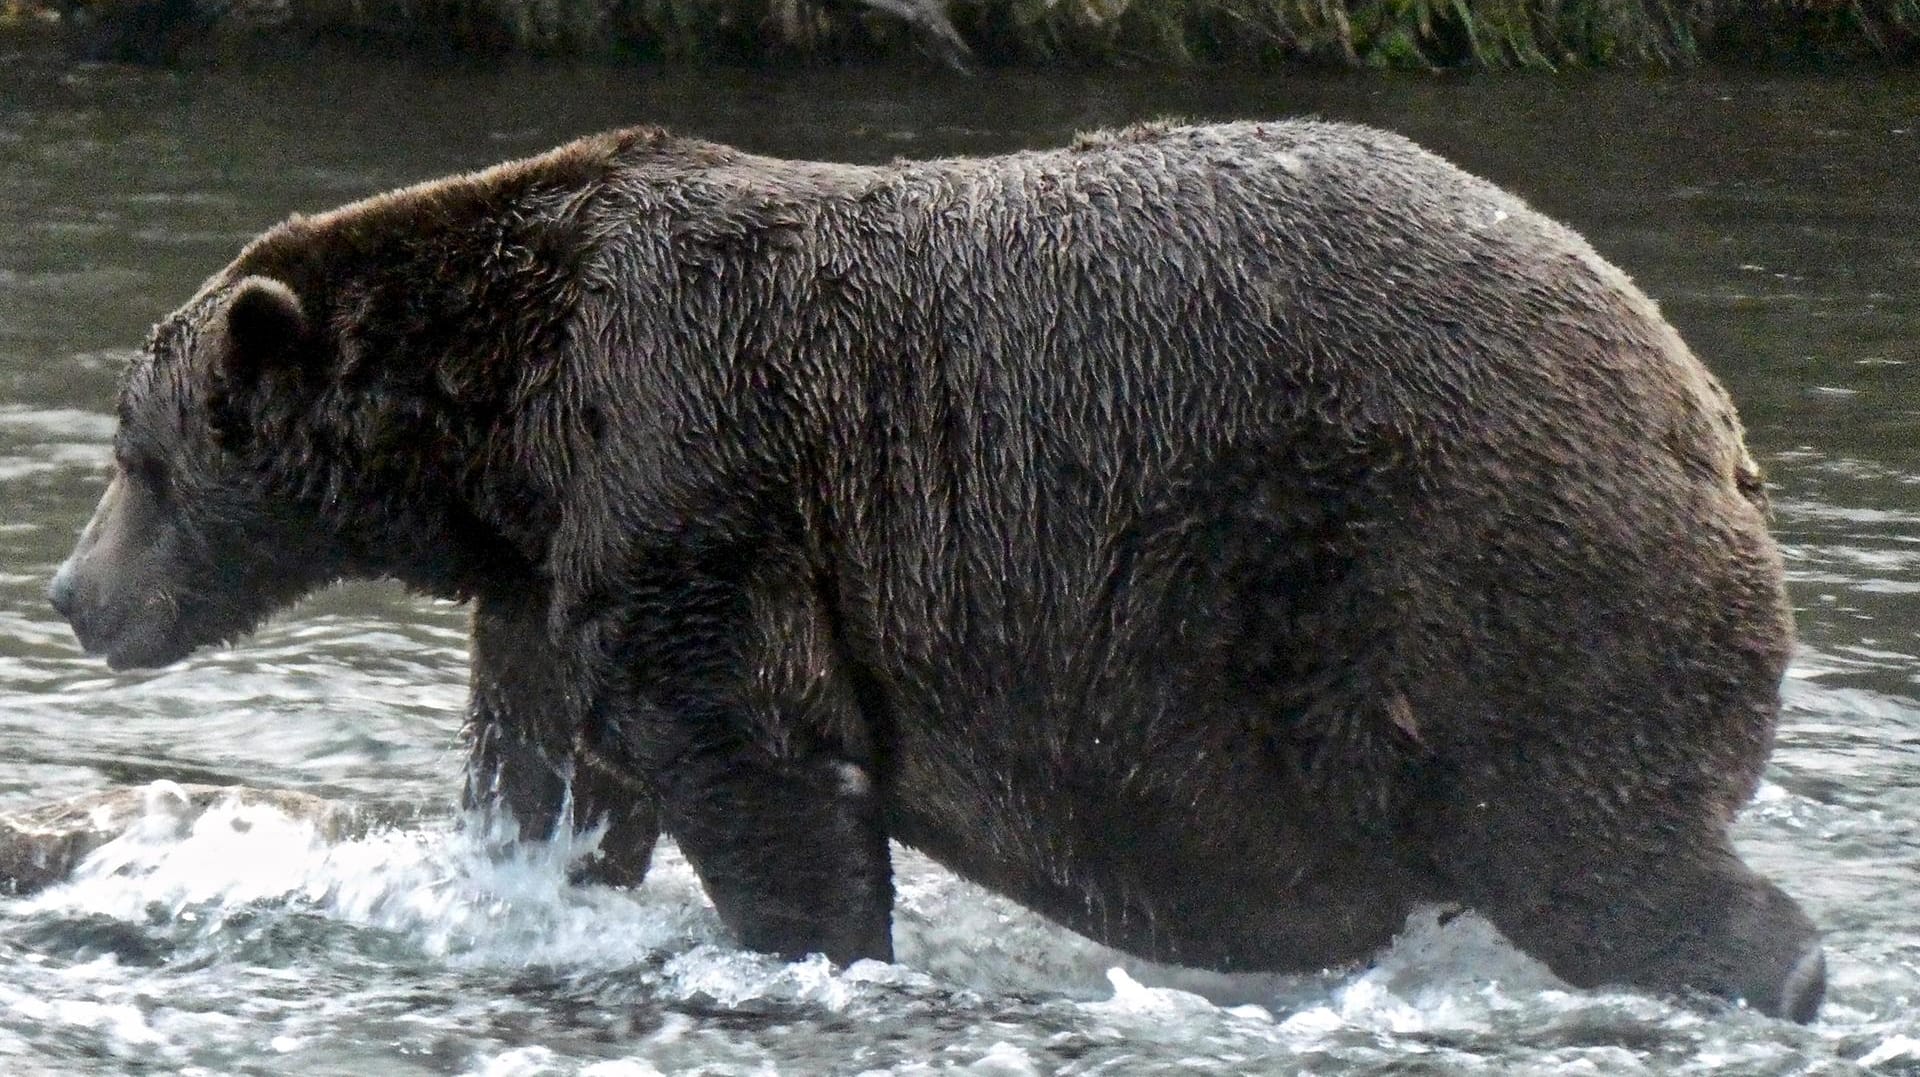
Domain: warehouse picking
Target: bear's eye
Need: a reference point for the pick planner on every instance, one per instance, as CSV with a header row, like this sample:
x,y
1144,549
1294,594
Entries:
x,y
150,472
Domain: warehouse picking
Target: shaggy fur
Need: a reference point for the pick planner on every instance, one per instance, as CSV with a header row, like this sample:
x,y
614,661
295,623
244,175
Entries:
x,y
1219,539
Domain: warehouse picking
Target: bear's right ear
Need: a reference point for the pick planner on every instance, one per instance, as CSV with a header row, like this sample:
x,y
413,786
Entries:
x,y
264,325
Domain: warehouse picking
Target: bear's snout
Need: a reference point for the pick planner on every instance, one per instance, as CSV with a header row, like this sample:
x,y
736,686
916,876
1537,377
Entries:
x,y
60,592
127,636
75,590
77,601
105,589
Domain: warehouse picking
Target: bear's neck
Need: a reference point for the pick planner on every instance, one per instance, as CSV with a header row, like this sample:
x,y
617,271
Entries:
x,y
444,333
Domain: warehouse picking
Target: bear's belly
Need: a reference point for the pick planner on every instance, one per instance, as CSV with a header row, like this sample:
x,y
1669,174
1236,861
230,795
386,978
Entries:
x,y
1197,870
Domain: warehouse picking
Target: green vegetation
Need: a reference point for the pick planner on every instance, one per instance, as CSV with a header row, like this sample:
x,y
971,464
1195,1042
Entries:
x,y
1367,33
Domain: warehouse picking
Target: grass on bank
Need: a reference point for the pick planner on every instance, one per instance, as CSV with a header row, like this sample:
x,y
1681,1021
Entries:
x,y
1362,33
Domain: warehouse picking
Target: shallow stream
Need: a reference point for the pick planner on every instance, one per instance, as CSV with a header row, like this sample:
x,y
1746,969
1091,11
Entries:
x,y
1777,219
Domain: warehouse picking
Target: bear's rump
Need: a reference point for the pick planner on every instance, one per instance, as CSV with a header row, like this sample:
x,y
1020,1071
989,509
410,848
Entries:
x,y
1288,694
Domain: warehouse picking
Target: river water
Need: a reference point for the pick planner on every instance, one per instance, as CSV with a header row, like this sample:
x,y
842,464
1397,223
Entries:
x,y
1777,219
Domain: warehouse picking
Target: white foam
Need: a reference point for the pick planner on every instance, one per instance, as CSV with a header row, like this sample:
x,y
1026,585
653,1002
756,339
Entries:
x,y
1893,1048
96,998
520,1062
1003,1059
475,898
471,895
625,1067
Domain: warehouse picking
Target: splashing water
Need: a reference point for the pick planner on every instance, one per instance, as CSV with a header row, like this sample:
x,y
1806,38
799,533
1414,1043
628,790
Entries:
x,y
194,940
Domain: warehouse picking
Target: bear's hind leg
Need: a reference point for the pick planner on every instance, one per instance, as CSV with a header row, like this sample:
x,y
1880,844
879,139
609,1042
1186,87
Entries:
x,y
1656,913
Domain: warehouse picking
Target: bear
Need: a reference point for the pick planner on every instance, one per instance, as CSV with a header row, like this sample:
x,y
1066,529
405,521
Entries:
x,y
1220,539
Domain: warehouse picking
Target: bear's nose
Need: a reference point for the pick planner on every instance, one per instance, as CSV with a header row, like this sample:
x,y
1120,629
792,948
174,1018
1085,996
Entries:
x,y
60,592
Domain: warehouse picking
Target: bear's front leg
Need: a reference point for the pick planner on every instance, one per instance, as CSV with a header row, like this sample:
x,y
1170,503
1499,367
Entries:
x,y
791,851
735,705
524,721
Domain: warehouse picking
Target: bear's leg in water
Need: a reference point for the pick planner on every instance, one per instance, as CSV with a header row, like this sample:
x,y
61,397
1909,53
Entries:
x,y
1700,922
1592,754
739,713
523,730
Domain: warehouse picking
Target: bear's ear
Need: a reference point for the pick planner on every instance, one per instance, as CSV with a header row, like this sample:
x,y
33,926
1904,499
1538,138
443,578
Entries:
x,y
264,325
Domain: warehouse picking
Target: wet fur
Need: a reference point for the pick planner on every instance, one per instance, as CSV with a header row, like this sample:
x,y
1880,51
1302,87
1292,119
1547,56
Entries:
x,y
1219,539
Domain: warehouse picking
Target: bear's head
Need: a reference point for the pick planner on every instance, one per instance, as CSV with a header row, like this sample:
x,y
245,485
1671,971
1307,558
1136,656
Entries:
x,y
378,391
199,534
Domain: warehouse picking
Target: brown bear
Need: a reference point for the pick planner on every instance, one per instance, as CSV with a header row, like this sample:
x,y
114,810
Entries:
x,y
1220,539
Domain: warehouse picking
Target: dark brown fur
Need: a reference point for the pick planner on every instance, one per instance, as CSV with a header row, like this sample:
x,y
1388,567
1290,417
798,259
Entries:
x,y
1220,539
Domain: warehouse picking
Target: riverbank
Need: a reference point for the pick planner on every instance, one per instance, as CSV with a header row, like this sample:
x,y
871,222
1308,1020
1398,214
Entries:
x,y
1404,34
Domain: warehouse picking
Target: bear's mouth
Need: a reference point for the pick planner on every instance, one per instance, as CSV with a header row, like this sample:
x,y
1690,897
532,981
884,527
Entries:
x,y
125,642
142,654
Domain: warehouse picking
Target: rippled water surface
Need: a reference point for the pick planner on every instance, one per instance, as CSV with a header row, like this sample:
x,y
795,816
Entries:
x,y
1777,219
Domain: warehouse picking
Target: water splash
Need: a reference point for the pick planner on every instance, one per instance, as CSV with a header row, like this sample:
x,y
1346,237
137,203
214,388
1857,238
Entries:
x,y
243,887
